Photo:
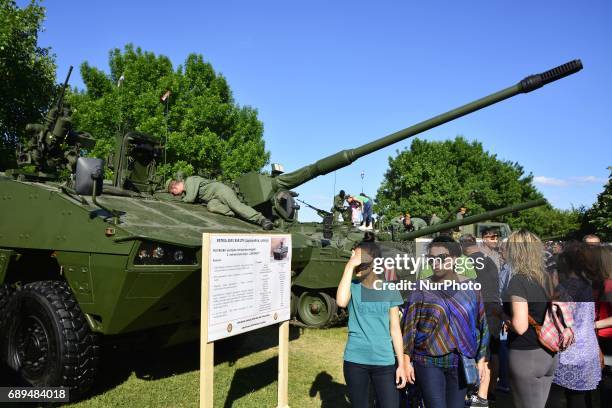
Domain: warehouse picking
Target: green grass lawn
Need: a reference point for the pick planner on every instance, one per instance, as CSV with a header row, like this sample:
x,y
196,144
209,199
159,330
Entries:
x,y
245,373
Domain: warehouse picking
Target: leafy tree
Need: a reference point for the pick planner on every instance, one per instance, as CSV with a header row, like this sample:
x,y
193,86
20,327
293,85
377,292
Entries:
x,y
436,177
548,222
209,133
598,218
27,74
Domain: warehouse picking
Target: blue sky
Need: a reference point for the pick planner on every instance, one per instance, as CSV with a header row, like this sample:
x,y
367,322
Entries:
x,y
326,76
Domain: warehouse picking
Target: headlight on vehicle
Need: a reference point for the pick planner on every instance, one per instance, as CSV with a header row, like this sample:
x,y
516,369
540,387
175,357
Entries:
x,y
154,253
159,252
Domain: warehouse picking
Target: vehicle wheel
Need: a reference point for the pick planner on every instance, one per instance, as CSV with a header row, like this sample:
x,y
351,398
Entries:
x,y
6,292
317,309
48,341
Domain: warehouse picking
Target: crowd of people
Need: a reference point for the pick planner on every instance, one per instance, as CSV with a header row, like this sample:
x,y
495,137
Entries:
x,y
541,315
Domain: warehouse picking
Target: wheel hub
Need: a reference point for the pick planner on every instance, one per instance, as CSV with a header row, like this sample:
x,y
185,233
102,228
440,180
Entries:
x,y
315,308
32,346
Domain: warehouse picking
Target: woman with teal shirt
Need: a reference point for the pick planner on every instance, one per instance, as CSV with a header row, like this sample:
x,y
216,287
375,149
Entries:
x,y
375,336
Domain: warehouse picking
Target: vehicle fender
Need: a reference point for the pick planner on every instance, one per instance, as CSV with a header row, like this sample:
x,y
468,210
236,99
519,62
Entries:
x,y
5,259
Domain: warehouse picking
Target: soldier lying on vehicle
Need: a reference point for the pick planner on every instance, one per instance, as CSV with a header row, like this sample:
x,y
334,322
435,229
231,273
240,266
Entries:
x,y
218,197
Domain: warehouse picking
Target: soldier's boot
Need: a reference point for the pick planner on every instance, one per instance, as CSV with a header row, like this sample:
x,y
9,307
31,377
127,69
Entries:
x,y
266,224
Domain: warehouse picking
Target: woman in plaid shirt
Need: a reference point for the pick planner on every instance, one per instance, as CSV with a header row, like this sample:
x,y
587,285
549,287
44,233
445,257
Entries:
x,y
440,326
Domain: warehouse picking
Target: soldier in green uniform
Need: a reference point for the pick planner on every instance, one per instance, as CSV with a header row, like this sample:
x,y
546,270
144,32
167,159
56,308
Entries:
x,y
406,223
218,197
459,230
339,208
413,223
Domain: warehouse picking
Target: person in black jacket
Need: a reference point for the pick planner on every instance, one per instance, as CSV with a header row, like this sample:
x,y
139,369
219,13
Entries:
x,y
487,275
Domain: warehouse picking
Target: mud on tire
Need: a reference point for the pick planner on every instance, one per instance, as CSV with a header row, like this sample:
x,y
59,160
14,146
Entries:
x,y
47,339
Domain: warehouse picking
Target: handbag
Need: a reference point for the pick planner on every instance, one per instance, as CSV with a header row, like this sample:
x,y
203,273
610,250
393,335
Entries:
x,y
470,371
555,333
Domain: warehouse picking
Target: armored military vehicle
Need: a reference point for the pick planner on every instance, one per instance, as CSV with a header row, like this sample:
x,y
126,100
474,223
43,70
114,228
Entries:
x,y
314,304
475,223
82,258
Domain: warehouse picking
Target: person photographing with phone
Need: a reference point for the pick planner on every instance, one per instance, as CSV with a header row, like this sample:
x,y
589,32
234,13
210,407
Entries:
x,y
375,337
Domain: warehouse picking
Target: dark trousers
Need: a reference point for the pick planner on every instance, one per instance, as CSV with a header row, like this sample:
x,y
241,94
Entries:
x,y
358,377
440,387
504,379
367,213
578,399
605,386
573,398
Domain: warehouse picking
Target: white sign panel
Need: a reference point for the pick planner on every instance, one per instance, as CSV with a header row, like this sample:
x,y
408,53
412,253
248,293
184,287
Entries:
x,y
249,282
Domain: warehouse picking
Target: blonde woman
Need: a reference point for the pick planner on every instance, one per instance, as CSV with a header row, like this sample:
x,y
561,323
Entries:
x,y
531,366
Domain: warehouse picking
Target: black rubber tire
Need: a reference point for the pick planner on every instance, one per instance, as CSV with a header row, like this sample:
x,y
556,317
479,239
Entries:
x,y
6,292
48,341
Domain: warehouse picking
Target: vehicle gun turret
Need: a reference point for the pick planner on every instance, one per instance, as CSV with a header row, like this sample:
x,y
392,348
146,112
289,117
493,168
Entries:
x,y
53,145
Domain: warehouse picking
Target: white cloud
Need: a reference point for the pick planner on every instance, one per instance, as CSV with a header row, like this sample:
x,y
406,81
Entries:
x,y
575,180
550,181
588,179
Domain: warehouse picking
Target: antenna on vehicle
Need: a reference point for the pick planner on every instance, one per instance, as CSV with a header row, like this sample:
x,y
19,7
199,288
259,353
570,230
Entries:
x,y
165,99
119,85
334,191
362,176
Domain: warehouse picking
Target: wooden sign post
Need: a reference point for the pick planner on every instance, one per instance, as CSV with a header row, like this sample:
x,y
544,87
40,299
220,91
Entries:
x,y
263,258
207,349
283,365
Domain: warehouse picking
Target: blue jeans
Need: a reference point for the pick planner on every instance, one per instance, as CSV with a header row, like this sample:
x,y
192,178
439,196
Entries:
x,y
367,213
358,377
441,387
504,381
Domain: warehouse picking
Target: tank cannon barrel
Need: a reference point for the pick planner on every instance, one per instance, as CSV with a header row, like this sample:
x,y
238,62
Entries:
x,y
343,158
472,219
